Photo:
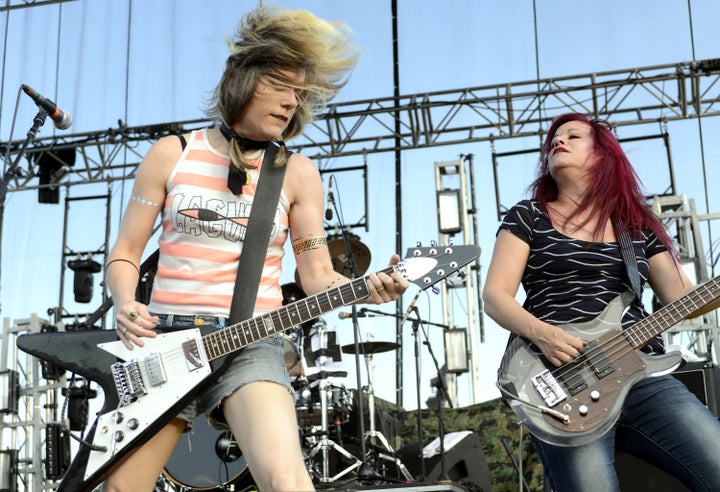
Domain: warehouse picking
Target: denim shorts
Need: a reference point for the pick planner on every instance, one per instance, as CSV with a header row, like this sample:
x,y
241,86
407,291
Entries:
x,y
260,361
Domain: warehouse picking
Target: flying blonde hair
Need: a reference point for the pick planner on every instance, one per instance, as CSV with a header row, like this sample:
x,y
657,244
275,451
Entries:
x,y
269,41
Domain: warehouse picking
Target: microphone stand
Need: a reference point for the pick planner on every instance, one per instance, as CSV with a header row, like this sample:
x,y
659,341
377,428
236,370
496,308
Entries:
x,y
365,471
442,394
416,321
409,318
14,169
415,326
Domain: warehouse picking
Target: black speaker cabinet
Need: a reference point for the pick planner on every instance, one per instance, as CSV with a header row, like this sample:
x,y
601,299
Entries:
x,y
703,379
465,462
636,475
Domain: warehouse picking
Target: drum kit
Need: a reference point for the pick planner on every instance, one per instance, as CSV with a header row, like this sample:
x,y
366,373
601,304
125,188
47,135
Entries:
x,y
210,459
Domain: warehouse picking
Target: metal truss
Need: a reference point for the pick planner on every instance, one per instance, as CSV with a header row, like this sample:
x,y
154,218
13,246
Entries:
x,y
21,4
625,97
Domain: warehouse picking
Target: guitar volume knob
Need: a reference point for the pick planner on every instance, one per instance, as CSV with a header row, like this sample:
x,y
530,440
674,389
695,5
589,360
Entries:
x,y
594,395
583,409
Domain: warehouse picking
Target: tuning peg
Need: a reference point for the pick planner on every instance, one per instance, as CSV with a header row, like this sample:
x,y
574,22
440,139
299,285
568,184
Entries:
x,y
435,290
433,243
462,274
449,282
418,244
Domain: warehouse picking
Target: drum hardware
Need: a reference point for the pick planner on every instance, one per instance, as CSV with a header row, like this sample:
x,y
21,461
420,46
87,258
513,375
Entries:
x,y
373,436
322,444
192,466
341,258
292,351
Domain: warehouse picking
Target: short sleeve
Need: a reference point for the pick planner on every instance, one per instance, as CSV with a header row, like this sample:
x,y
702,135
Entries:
x,y
653,245
520,220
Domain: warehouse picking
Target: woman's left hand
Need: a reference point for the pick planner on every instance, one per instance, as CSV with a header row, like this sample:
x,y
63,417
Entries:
x,y
385,288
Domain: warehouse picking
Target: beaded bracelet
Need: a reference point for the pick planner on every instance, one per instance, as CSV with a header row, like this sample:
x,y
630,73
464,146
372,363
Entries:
x,y
125,260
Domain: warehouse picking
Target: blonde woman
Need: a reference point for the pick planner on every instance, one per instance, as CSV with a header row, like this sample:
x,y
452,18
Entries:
x,y
284,66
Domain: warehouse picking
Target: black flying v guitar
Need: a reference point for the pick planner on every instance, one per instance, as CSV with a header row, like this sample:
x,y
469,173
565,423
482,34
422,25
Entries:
x,y
146,387
578,402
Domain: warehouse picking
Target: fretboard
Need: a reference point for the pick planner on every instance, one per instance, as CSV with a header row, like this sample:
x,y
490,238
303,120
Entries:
x,y
670,314
223,342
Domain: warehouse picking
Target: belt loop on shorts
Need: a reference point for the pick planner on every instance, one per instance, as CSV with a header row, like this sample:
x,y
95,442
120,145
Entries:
x,y
169,321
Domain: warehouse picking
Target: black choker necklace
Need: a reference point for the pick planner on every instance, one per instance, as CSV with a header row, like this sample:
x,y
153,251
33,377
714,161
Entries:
x,y
243,143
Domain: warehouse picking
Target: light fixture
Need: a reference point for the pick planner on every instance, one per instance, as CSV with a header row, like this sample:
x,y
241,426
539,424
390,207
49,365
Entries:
x,y
50,371
456,351
78,405
9,389
448,203
57,451
83,281
53,166
8,470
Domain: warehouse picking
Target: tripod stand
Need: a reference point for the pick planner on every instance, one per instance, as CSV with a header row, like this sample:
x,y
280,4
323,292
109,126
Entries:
x,y
372,435
322,443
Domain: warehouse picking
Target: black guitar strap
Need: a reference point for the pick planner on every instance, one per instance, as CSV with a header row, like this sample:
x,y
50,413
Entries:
x,y
257,236
628,252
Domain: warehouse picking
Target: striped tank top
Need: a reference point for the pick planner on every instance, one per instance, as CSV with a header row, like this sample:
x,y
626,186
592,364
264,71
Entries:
x,y
203,229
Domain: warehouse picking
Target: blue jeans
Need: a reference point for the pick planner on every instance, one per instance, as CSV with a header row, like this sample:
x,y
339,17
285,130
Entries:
x,y
263,360
661,422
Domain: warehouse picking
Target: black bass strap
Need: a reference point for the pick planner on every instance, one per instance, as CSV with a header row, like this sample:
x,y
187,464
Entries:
x,y
628,253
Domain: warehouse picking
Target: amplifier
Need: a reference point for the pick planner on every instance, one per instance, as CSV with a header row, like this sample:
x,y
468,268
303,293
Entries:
x,y
702,379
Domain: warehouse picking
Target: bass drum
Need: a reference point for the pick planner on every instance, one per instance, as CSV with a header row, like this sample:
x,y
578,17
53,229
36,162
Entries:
x,y
207,459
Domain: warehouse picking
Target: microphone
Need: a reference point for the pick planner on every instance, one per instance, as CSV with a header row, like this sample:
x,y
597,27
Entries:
x,y
360,314
411,307
330,201
62,119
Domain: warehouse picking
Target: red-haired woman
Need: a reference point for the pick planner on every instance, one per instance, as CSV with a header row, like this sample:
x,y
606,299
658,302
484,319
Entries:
x,y
562,246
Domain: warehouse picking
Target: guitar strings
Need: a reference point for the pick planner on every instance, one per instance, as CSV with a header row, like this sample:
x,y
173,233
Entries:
x,y
620,344
224,341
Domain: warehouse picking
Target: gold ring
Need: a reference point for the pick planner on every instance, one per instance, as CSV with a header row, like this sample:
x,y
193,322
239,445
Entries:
x,y
380,288
133,315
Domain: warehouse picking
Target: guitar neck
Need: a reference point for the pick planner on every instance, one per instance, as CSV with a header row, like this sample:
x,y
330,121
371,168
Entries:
x,y
223,342
671,314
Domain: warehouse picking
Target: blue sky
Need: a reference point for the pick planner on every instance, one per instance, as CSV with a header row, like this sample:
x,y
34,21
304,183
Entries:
x,y
155,61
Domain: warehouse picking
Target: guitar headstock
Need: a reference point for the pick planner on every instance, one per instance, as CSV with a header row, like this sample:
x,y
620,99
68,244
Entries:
x,y
426,266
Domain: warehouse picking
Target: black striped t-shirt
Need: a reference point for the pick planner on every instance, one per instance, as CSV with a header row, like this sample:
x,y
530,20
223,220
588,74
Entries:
x,y
567,280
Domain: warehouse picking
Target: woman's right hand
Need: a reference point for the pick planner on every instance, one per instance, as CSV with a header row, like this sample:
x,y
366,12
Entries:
x,y
132,322
556,344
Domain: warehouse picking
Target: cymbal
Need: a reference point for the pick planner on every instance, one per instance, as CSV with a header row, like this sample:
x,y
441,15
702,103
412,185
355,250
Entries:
x,y
341,259
370,347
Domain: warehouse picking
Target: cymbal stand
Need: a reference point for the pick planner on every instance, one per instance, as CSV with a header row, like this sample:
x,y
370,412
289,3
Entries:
x,y
372,434
324,444
365,472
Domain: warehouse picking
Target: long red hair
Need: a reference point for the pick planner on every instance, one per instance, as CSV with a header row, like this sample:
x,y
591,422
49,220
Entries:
x,y
615,192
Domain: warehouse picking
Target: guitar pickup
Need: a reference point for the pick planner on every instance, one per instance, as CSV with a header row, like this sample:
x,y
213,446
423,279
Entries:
x,y
599,364
572,379
155,369
549,388
128,380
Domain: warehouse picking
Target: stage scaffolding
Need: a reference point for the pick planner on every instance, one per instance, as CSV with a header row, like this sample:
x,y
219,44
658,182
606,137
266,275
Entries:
x,y
660,94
